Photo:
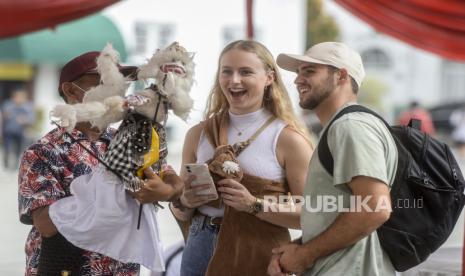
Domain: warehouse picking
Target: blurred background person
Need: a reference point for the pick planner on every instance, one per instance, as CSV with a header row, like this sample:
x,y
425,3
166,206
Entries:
x,y
415,111
457,120
17,115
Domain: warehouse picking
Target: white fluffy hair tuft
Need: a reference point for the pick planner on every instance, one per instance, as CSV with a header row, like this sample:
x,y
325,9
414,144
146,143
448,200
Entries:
x,y
103,104
113,83
173,71
66,115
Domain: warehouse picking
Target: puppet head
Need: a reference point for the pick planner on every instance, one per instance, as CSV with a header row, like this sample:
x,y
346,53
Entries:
x,y
173,71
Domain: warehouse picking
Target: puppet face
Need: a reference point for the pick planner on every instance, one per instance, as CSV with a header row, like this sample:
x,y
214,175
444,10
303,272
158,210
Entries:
x,y
175,59
173,69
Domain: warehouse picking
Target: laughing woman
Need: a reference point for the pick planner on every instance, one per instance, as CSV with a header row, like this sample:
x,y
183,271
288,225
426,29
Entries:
x,y
248,103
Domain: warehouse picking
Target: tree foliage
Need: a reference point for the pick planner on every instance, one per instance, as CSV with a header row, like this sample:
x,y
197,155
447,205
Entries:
x,y
372,92
320,26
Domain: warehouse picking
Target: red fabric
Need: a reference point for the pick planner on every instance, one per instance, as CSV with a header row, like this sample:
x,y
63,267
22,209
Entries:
x,y
437,26
22,16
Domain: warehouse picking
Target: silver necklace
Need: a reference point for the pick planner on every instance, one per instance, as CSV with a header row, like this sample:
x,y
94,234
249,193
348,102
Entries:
x,y
241,131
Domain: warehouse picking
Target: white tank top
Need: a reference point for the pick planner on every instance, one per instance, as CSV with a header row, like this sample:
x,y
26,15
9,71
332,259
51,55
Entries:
x,y
258,159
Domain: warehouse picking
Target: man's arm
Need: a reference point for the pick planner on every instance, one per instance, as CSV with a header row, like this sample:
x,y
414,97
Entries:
x,y
43,223
37,189
347,229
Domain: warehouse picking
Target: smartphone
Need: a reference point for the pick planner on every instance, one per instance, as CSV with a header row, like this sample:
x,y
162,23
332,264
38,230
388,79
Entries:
x,y
203,176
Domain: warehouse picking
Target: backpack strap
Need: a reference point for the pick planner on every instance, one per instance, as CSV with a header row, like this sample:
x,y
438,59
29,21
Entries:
x,y
324,154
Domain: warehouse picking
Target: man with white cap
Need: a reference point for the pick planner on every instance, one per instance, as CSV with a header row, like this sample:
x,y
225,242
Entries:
x,y
340,241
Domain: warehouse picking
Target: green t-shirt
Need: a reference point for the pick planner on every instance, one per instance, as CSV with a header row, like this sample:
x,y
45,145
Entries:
x,y
361,145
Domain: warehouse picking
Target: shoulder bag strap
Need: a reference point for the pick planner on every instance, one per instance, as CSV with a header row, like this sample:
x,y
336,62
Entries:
x,y
240,146
324,154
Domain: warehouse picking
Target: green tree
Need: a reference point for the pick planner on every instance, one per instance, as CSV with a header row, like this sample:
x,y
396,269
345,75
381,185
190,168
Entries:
x,y
371,93
320,26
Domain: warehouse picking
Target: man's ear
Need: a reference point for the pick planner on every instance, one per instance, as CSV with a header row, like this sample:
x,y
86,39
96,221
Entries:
x,y
343,75
69,92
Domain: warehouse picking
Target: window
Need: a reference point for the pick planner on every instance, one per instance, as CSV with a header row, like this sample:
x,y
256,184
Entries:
x,y
453,80
151,36
376,58
141,38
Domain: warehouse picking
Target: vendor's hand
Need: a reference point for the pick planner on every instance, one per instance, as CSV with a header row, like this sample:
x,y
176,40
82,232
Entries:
x,y
190,197
43,223
153,189
235,195
171,178
293,258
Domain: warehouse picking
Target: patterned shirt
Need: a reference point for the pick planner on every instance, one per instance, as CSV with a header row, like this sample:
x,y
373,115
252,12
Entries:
x,y
46,172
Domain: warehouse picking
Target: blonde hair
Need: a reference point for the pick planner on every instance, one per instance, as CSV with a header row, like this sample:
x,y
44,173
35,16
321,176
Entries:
x,y
276,99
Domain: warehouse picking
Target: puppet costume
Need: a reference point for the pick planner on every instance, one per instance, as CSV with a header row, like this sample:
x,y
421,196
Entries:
x,y
101,216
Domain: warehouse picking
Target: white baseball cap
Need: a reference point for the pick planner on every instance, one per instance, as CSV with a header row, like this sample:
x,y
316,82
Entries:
x,y
336,54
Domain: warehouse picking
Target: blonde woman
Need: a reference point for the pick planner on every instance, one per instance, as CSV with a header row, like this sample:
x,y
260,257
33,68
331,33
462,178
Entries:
x,y
248,100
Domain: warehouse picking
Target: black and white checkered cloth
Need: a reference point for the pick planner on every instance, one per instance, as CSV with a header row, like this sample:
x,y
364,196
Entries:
x,y
126,151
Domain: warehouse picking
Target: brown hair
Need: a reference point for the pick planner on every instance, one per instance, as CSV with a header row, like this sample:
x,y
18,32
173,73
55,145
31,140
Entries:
x,y
276,99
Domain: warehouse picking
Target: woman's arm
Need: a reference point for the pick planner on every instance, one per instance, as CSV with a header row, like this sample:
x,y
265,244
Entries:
x,y
189,198
189,150
293,153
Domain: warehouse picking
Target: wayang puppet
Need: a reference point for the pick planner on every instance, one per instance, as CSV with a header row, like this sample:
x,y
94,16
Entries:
x,y
101,216
136,145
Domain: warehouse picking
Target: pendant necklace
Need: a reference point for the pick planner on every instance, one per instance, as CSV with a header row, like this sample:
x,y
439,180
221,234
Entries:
x,y
241,131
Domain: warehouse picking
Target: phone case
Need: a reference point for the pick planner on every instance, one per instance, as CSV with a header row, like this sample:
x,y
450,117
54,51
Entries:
x,y
203,176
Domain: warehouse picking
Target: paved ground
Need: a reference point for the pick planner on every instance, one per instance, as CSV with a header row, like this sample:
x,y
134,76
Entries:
x,y
12,233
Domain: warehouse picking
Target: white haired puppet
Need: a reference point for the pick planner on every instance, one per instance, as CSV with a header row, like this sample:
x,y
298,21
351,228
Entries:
x,y
173,71
100,216
135,144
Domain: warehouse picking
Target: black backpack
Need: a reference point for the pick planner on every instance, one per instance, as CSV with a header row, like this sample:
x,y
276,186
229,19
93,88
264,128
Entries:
x,y
426,170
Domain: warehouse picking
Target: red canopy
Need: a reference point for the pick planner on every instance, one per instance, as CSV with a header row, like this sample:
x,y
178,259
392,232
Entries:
x,y
437,26
21,16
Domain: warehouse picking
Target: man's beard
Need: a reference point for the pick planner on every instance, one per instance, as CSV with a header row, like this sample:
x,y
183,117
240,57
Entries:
x,y
319,94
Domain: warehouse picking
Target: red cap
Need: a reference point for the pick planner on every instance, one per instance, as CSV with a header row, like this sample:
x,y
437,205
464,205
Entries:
x,y
87,64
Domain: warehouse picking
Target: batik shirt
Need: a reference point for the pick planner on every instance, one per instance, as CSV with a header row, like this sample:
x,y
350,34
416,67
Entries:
x,y
46,172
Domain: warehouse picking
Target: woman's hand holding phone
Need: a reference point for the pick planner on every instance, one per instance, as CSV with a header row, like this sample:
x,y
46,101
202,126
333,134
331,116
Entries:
x,y
196,195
